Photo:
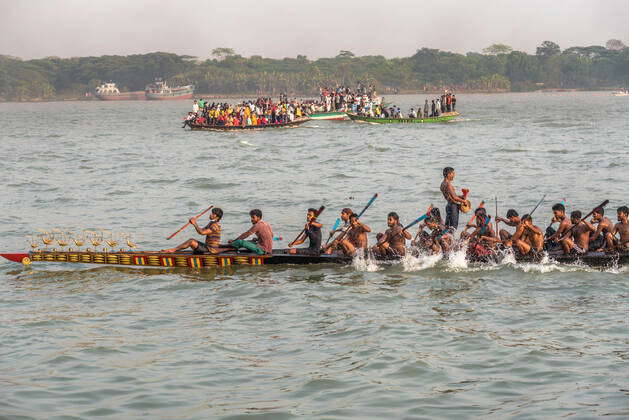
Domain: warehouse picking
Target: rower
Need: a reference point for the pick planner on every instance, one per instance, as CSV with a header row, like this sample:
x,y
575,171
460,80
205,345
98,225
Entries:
x,y
601,238
559,215
356,237
345,215
212,239
513,219
439,240
579,238
263,232
527,237
484,232
453,200
312,232
392,242
622,229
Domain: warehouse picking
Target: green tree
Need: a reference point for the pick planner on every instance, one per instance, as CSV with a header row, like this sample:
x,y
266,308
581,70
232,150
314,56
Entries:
x,y
222,52
548,49
496,49
615,45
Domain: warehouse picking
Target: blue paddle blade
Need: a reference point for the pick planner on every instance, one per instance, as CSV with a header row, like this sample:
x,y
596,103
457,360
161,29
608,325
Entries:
x,y
336,224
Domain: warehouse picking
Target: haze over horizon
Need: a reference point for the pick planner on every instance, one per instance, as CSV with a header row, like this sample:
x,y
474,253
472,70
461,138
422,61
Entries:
x,y
71,28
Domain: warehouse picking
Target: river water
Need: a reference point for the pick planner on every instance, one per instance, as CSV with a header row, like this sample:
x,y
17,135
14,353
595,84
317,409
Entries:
x,y
420,339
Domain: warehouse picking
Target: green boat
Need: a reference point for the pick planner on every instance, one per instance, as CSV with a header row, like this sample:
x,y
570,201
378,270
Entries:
x,y
445,117
332,115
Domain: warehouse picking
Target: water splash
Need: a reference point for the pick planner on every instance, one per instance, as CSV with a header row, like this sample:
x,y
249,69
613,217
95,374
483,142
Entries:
x,y
362,263
421,261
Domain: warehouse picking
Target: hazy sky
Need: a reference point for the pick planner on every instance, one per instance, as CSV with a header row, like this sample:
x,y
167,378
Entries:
x,y
319,28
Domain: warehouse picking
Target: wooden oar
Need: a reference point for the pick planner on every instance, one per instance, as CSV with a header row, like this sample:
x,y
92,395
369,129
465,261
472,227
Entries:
x,y
537,205
342,235
186,225
603,204
317,213
496,218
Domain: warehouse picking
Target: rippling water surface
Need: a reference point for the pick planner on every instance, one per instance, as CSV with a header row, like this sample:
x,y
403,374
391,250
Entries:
x,y
419,339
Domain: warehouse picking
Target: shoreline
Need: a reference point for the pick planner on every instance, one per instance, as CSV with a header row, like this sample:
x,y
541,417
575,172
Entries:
x,y
306,96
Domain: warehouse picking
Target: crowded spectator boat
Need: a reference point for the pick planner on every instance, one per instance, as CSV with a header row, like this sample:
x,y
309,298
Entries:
x,y
621,92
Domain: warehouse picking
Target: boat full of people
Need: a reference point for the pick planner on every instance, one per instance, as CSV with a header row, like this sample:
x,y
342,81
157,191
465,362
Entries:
x,y
159,91
110,92
621,92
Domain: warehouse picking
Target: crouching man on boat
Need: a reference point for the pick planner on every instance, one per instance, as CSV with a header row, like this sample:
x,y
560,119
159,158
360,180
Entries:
x,y
622,229
354,239
392,243
263,232
312,232
527,237
212,239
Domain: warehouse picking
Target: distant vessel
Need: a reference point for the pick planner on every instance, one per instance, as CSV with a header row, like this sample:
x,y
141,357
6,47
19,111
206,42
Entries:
x,y
622,92
159,90
110,92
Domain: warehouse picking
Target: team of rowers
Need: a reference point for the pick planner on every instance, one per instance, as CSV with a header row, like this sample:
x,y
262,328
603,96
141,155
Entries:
x,y
574,235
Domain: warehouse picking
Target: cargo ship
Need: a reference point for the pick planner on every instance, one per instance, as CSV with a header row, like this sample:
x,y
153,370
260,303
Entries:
x,y
159,90
110,92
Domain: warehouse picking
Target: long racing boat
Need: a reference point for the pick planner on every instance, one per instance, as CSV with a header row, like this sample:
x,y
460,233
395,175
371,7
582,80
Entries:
x,y
445,117
279,256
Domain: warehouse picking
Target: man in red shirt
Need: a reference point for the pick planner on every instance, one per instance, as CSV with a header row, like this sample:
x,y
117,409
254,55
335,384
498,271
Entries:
x,y
262,230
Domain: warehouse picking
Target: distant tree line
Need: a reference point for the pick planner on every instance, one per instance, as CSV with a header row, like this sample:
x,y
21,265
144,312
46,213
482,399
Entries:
x,y
497,68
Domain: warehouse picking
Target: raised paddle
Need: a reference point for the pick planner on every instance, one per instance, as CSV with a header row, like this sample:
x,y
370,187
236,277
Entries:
x,y
603,204
317,213
334,228
369,203
496,218
186,225
537,205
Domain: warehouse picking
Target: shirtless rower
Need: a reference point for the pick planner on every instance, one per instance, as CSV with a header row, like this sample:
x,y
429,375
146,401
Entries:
x,y
559,215
312,232
599,241
527,237
579,237
513,220
212,239
622,228
439,240
453,200
393,241
356,237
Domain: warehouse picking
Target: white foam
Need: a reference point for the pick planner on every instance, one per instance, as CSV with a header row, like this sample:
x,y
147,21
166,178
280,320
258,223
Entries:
x,y
420,262
360,263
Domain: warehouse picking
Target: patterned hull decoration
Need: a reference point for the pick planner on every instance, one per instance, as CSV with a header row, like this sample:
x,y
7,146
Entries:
x,y
139,258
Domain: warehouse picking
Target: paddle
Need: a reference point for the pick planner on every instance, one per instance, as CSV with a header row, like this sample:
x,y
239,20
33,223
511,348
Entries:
x,y
496,218
537,205
369,203
419,219
317,213
603,204
186,225
334,228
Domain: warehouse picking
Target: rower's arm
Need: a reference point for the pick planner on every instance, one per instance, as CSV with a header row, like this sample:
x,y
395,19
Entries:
x,y
535,229
300,240
200,230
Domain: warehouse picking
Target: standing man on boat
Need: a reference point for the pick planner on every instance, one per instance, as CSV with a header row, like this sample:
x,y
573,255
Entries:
x,y
263,232
212,239
453,201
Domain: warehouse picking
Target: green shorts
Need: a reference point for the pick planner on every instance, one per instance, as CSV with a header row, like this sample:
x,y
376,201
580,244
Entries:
x,y
240,243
